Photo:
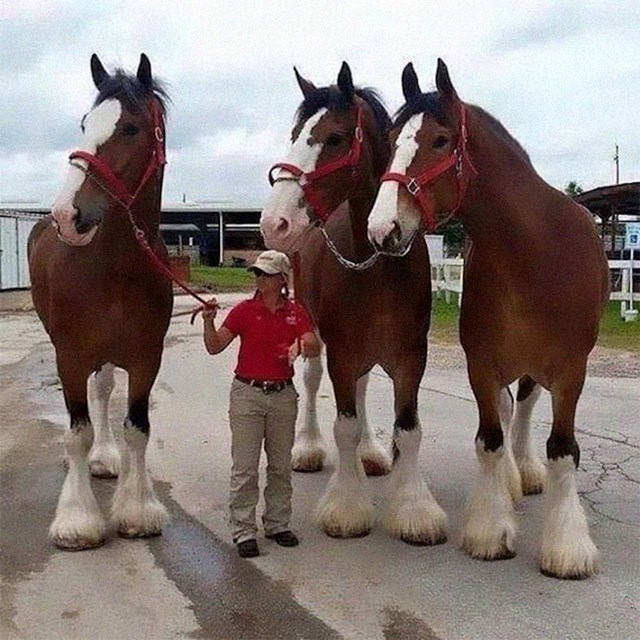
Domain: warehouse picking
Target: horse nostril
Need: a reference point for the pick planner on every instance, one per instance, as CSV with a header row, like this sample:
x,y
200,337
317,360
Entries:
x,y
81,225
283,226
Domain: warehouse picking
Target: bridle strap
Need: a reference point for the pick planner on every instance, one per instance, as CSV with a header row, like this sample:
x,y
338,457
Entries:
x,y
413,184
307,180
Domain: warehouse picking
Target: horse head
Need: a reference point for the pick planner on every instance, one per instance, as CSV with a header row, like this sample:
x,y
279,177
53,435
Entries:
x,y
122,145
429,168
335,150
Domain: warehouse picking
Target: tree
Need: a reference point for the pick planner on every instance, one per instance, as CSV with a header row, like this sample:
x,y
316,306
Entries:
x,y
573,189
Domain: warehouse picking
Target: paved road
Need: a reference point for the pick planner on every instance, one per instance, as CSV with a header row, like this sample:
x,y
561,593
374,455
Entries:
x,y
190,582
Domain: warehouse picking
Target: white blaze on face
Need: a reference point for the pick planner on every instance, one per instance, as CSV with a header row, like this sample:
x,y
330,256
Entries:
x,y
99,125
385,209
284,203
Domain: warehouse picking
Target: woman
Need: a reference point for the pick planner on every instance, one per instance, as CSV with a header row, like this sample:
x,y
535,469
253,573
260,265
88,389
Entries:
x,y
263,404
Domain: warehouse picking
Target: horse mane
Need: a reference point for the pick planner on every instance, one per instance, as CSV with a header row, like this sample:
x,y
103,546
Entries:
x,y
433,105
129,90
332,98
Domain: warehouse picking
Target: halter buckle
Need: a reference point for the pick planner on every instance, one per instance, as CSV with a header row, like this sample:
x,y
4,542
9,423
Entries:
x,y
158,134
413,187
459,162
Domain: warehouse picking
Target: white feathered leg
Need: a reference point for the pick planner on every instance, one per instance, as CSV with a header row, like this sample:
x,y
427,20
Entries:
x,y
532,469
104,457
375,459
489,528
346,509
567,549
412,512
510,468
78,523
309,452
135,510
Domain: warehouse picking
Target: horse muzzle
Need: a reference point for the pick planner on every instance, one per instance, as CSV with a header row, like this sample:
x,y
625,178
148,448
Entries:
x,y
72,229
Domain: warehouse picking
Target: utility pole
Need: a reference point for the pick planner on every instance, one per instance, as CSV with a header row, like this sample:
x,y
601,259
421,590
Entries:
x,y
616,159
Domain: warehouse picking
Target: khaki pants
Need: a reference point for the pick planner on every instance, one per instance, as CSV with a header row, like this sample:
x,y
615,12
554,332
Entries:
x,y
255,417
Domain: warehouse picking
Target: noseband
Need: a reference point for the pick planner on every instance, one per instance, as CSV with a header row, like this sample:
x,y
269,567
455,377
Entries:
x,y
100,172
308,180
458,158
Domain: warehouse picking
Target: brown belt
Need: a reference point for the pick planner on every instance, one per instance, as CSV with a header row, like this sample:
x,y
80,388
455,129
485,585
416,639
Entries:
x,y
267,386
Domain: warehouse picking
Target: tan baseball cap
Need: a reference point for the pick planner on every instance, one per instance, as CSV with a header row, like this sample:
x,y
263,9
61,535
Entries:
x,y
272,262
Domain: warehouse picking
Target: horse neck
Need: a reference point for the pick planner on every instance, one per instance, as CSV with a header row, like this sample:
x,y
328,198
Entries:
x,y
117,228
496,208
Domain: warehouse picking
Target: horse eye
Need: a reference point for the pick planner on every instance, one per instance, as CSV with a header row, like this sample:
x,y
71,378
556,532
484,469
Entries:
x,y
440,142
334,140
130,130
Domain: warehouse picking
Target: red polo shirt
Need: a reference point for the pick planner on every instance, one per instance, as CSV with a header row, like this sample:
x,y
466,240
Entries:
x,y
265,337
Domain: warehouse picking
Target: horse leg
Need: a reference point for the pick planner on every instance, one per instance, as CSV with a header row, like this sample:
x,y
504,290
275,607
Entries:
x,y
489,527
567,548
376,461
78,523
104,457
513,478
531,467
308,452
135,509
412,512
346,509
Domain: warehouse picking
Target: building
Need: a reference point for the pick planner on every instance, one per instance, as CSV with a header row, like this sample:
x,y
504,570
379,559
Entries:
x,y
614,205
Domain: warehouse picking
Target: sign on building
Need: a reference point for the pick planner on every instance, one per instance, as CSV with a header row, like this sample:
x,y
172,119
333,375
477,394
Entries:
x,y
632,237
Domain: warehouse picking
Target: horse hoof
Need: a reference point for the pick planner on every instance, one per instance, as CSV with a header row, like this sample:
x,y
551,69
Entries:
x,y
134,532
308,467
100,470
77,544
344,535
424,541
568,576
532,491
375,468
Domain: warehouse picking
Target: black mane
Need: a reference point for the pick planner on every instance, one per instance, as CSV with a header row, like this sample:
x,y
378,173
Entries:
x,y
332,98
128,89
432,104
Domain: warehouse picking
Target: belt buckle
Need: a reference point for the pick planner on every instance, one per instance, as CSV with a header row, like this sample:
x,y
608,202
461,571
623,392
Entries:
x,y
266,388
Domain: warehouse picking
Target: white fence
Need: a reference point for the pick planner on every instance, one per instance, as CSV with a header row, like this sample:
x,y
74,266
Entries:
x,y
447,276
14,232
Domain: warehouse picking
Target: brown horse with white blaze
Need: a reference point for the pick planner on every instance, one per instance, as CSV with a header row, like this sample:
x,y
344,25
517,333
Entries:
x,y
103,304
535,285
379,315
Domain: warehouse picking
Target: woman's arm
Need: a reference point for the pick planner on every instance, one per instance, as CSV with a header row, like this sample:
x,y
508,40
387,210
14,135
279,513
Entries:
x,y
214,340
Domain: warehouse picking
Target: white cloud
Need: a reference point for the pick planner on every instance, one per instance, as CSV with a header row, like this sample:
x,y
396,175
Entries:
x,y
562,75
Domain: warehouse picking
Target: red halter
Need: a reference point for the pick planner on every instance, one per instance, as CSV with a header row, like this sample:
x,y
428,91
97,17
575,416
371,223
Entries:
x,y
114,185
457,159
308,179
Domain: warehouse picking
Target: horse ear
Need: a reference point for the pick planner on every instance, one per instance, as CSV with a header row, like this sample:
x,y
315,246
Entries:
x,y
307,87
98,72
410,85
144,72
443,82
345,82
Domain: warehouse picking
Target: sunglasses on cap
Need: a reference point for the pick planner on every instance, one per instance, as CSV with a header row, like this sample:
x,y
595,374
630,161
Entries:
x,y
260,272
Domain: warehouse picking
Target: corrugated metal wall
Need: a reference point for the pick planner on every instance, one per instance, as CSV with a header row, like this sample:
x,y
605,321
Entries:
x,y
14,233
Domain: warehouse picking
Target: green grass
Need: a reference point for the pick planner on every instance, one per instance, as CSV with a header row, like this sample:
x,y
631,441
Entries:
x,y
614,332
223,279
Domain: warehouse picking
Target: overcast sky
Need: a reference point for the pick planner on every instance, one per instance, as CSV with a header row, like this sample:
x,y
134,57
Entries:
x,y
563,76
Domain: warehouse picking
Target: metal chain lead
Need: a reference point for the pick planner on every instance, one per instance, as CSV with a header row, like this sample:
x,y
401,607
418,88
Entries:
x,y
349,264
